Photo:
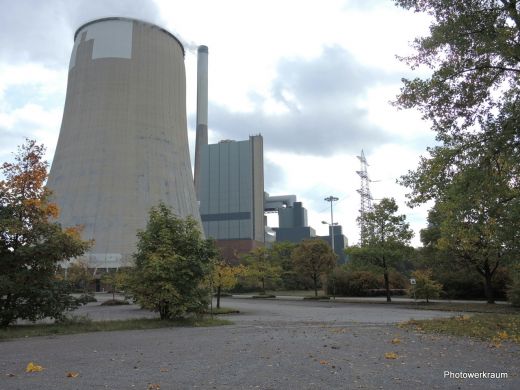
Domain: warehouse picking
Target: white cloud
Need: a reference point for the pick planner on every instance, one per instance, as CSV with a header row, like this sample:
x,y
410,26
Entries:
x,y
314,77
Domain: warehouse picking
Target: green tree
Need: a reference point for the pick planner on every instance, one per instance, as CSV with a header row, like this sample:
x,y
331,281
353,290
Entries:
x,y
79,275
32,245
116,280
280,253
474,50
425,287
513,291
388,239
225,276
472,101
260,268
313,258
172,262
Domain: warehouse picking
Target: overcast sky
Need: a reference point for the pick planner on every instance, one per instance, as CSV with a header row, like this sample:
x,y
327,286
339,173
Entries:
x,y
315,78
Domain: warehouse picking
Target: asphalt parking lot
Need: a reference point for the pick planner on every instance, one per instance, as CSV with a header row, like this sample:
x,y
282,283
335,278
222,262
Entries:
x,y
271,345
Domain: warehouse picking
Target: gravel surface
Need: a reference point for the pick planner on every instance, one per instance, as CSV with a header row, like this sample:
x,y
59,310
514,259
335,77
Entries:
x,y
272,345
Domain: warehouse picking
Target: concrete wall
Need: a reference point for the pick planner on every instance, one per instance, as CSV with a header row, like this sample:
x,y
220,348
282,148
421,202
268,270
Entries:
x,y
123,143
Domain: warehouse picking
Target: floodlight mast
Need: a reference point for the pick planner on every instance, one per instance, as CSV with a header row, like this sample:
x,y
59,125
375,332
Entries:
x,y
331,199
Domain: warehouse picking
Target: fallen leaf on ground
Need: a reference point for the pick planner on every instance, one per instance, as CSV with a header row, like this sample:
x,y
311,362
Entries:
x,y
154,386
502,335
164,369
31,367
324,362
391,355
396,341
72,374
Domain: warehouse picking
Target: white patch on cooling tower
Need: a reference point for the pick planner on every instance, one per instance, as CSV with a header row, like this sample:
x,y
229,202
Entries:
x,y
112,39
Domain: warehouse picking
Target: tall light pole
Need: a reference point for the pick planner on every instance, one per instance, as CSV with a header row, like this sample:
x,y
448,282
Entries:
x,y
331,199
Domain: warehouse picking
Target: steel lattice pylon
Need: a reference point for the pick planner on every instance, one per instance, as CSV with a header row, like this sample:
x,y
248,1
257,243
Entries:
x,y
366,197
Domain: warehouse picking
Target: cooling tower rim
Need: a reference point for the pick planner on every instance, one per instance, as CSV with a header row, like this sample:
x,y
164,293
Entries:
x,y
130,20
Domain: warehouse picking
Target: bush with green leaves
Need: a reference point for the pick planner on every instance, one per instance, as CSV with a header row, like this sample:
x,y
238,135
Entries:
x,y
346,282
425,287
171,265
513,292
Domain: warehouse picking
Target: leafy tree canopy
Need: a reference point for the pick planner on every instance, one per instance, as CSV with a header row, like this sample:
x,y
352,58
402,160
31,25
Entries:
x,y
31,244
387,240
472,100
171,265
474,52
313,257
260,268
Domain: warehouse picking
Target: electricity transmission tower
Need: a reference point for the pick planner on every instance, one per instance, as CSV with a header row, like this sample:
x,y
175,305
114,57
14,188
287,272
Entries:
x,y
366,198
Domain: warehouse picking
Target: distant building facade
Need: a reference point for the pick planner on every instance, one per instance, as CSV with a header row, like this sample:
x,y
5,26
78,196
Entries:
x,y
231,194
292,224
340,242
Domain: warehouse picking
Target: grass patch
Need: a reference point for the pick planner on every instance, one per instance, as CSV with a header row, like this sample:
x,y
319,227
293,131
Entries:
x,y
33,330
491,327
464,307
115,302
316,298
224,310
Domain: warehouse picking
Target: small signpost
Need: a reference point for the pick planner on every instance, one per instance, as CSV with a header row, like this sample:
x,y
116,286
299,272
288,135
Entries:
x,y
413,282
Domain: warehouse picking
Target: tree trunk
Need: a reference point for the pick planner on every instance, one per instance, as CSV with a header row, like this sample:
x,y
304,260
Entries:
x,y
263,285
315,280
387,287
218,297
387,282
488,289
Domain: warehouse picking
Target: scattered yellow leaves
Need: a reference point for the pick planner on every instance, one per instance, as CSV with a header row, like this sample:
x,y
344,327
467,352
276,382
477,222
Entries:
x,y
391,355
324,362
154,386
396,341
464,317
31,367
503,335
72,374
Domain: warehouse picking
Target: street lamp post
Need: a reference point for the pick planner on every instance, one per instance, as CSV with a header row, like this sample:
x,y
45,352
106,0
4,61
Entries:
x,y
331,199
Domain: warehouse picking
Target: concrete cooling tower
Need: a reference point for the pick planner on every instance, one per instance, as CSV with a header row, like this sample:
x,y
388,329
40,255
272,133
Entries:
x,y
123,143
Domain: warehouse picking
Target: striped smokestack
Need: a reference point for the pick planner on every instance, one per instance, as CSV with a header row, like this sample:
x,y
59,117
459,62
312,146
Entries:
x,y
202,110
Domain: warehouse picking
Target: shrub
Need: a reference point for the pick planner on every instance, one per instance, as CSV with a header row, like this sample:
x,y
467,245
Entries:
x,y
342,281
513,292
425,287
114,302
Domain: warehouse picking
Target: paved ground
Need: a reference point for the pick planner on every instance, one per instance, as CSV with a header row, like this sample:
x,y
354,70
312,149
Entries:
x,y
272,345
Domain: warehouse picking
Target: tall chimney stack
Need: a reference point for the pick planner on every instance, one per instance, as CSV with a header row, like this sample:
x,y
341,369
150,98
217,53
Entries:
x,y
202,111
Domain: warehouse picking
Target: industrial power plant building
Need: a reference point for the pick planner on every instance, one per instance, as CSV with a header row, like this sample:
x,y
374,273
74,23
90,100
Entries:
x,y
123,144
231,194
